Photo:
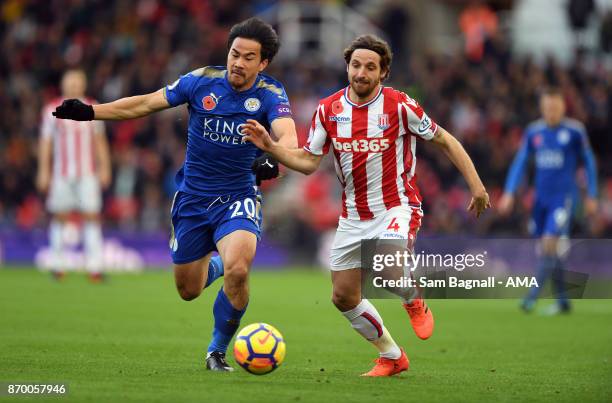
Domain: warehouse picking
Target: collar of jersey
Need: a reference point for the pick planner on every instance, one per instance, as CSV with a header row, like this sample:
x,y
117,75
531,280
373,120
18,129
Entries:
x,y
346,96
250,90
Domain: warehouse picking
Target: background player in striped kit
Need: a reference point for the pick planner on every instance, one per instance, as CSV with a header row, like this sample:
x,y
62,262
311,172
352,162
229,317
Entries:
x,y
372,131
74,164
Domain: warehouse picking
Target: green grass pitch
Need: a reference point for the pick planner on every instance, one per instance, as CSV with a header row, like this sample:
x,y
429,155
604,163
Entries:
x,y
133,339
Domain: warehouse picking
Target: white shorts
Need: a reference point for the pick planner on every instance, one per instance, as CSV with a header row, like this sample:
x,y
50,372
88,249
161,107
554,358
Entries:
x,y
398,223
79,194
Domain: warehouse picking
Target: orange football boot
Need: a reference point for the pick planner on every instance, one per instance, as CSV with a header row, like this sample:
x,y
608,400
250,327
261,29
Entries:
x,y
421,318
388,367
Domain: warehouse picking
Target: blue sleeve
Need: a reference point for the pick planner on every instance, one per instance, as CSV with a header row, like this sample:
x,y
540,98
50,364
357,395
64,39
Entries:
x,y
277,106
179,92
517,169
589,163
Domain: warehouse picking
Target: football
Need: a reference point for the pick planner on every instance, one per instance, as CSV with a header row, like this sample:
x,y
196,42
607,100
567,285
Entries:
x,y
259,348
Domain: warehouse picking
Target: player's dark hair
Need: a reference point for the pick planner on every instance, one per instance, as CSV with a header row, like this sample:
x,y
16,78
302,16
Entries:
x,y
375,44
259,31
552,91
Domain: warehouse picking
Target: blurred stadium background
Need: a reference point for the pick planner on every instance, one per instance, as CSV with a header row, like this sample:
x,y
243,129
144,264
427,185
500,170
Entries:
x,y
476,66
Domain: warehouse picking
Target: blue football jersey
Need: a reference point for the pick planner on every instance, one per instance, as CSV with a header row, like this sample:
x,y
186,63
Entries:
x,y
558,152
218,160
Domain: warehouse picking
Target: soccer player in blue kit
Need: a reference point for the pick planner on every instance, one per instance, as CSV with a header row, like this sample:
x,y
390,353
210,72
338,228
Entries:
x,y
217,205
559,145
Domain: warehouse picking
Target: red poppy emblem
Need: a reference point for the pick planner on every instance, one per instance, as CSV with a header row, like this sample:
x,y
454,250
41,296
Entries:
x,y
208,103
337,107
537,140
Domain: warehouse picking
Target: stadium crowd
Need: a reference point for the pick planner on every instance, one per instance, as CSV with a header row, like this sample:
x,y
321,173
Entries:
x,y
128,50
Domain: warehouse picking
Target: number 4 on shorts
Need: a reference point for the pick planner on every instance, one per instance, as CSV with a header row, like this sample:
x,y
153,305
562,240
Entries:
x,y
393,225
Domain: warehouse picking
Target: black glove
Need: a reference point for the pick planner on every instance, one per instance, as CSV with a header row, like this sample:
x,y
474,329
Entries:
x,y
265,167
74,109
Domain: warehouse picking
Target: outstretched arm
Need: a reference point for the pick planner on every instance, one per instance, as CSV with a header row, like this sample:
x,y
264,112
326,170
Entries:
x,y
121,109
456,153
284,130
132,107
297,159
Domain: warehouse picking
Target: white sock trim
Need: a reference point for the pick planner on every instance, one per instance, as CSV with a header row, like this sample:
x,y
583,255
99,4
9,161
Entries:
x,y
387,346
357,311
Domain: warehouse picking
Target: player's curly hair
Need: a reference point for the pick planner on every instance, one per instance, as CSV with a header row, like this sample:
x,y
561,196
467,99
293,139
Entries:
x,y
257,30
373,43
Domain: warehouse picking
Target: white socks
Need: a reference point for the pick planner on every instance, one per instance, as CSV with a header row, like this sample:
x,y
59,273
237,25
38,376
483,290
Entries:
x,y
56,242
92,234
366,320
387,346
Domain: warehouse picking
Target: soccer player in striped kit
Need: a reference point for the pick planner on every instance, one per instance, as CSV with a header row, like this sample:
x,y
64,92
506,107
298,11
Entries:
x,y
372,131
74,165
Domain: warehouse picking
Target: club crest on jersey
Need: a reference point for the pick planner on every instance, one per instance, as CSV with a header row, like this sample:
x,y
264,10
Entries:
x,y
383,121
252,104
563,137
337,107
209,102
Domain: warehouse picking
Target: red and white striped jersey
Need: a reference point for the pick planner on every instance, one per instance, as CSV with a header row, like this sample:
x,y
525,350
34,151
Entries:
x,y
73,143
374,149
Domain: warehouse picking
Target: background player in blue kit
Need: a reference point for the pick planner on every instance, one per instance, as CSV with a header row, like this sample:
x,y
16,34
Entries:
x,y
559,145
217,206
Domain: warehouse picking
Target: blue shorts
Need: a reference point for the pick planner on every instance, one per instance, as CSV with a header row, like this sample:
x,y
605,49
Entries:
x,y
552,216
199,222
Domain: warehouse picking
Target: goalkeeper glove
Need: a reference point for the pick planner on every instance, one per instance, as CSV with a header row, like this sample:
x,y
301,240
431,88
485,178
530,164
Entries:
x,y
75,110
265,167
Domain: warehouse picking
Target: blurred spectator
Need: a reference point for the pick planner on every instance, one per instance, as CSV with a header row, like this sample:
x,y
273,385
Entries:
x,y
478,24
395,22
605,35
579,12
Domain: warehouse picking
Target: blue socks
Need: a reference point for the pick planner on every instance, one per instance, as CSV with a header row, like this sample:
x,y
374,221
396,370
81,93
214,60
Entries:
x,y
549,266
227,320
559,285
215,270
545,267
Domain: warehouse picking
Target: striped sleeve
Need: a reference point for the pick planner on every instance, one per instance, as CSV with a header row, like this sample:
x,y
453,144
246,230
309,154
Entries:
x,y
415,120
318,141
98,125
98,128
48,122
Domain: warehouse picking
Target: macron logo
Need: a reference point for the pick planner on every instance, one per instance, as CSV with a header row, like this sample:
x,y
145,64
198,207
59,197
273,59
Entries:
x,y
340,119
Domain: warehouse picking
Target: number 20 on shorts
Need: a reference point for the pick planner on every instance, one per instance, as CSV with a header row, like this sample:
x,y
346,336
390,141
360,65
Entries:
x,y
246,208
